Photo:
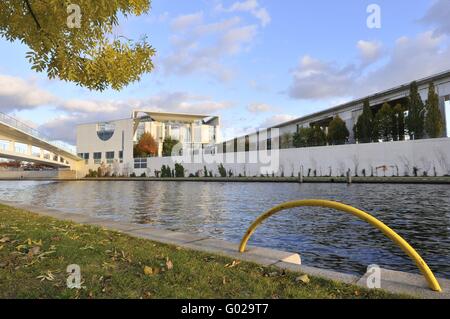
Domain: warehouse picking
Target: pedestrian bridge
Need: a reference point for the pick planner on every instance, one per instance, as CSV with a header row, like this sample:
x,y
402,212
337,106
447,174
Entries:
x,y
19,141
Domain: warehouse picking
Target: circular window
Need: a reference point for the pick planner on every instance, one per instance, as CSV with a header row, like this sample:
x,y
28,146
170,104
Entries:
x,y
105,131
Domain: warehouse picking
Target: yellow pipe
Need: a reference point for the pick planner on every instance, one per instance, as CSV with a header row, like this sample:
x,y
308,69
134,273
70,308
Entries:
x,y
426,271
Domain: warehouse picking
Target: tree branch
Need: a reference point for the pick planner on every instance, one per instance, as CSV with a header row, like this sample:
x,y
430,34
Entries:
x,y
33,15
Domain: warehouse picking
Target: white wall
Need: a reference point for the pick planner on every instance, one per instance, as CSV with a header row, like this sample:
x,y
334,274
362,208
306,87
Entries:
x,y
425,154
122,139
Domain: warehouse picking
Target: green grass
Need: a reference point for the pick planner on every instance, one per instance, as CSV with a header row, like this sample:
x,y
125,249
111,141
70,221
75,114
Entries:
x,y
35,252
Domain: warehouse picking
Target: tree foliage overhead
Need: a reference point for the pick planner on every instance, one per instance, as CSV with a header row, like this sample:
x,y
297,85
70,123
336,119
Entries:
x,y
434,125
89,55
337,131
415,119
364,124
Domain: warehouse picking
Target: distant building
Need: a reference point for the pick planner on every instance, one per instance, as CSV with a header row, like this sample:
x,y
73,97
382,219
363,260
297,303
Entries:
x,y
349,112
112,142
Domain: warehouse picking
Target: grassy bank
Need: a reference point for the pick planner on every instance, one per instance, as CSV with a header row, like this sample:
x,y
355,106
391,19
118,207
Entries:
x,y
35,252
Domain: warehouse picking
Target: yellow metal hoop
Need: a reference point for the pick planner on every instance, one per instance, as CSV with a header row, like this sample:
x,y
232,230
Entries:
x,y
411,252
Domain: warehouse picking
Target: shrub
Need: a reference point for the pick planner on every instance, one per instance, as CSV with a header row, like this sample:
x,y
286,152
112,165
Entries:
x,y
179,170
143,175
166,172
133,174
222,170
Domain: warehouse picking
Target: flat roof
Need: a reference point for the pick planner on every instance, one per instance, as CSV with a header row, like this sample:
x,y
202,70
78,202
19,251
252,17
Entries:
x,y
442,75
171,116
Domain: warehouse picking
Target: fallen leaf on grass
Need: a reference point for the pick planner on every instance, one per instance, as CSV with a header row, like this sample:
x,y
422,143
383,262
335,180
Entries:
x,y
87,247
34,251
169,264
303,278
47,276
234,263
148,270
5,239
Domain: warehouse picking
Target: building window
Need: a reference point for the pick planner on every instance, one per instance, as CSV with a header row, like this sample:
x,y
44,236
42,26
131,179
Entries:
x,y
84,156
109,157
121,156
269,139
140,163
97,158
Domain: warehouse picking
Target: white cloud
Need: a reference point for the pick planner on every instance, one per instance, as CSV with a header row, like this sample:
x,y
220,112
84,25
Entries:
x,y
187,21
251,6
410,59
259,108
370,51
315,79
277,119
205,47
438,16
18,94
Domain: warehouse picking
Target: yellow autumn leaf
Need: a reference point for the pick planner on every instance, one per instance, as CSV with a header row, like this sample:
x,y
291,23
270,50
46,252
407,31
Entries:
x,y
148,270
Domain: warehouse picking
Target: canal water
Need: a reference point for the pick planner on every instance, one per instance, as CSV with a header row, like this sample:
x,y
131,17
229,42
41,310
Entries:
x,y
324,238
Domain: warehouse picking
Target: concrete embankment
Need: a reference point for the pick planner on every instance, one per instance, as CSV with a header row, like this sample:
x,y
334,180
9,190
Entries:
x,y
67,176
37,175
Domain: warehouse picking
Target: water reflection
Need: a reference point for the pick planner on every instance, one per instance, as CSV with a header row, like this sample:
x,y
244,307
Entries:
x,y
325,238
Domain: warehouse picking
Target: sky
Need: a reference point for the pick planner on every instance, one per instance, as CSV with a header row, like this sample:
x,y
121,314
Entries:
x,y
255,63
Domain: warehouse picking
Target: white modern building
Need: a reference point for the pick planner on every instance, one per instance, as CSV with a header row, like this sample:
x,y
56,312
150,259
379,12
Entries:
x,y
111,143
349,112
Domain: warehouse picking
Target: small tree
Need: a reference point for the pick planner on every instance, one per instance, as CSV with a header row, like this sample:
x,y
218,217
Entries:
x,y
146,146
179,170
286,140
222,170
337,131
168,145
434,125
300,138
384,123
317,136
364,125
415,118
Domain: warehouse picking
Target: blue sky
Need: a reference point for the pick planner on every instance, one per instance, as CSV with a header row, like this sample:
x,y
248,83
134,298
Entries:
x,y
253,62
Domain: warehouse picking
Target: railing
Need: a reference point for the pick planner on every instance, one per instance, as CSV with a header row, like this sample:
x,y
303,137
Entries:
x,y
388,232
31,131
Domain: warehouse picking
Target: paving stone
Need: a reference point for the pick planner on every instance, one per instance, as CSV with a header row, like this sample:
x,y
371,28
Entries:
x,y
164,236
408,283
319,272
263,256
